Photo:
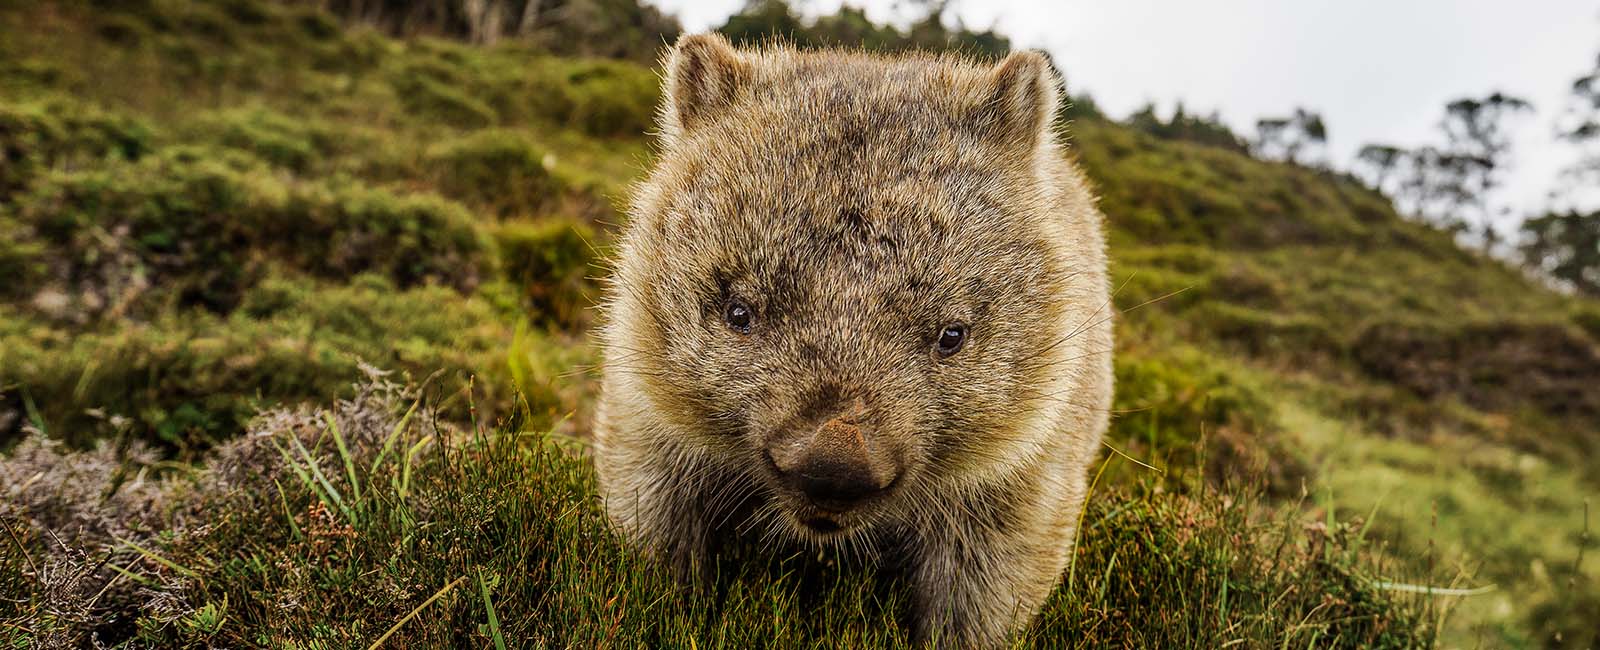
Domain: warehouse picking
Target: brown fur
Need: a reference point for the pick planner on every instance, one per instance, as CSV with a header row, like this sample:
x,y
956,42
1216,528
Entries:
x,y
857,205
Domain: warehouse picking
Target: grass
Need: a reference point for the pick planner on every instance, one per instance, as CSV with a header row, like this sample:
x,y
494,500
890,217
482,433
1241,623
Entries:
x,y
364,523
215,208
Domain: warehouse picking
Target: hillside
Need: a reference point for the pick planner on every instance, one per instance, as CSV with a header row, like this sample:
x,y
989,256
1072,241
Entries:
x,y
215,209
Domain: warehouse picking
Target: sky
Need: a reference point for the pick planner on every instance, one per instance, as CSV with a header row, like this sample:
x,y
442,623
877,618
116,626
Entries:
x,y
1377,70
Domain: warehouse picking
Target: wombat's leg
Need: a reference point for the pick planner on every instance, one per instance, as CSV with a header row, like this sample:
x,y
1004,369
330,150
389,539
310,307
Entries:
x,y
964,598
658,510
975,586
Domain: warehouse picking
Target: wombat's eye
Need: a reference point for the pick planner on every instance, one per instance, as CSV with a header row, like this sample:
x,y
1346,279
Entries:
x,y
739,316
951,338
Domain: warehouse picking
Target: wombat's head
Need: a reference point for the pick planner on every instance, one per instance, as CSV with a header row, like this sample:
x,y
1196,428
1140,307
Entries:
x,y
841,277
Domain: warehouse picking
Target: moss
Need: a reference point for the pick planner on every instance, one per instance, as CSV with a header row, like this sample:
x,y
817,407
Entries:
x,y
499,171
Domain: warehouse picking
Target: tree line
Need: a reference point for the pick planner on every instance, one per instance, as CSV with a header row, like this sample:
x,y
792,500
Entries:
x,y
1450,182
627,29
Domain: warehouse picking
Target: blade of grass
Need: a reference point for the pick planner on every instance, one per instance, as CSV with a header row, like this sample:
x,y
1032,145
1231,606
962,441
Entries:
x,y
1106,579
344,455
130,575
23,550
1431,590
488,607
287,513
388,443
398,624
1072,563
33,412
316,472
158,559
405,468
305,477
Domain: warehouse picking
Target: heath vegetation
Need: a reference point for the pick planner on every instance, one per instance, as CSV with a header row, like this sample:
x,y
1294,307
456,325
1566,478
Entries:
x,y
221,218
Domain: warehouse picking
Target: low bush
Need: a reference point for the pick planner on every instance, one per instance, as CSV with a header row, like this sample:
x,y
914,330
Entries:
x,y
1500,365
36,136
1266,333
501,172
185,382
280,140
550,263
199,226
609,98
430,100
1175,406
1587,316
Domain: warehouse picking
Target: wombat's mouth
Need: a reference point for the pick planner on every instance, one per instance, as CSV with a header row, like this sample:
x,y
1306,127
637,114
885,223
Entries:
x,y
821,525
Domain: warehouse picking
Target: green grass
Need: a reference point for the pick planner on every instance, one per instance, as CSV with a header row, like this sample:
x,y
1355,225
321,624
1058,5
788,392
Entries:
x,y
365,522
218,207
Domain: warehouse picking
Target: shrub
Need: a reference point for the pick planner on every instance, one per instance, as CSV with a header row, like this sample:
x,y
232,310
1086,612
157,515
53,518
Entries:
x,y
1182,402
1503,366
273,137
430,99
199,225
610,99
23,259
36,136
190,380
1587,316
549,262
500,171
1260,332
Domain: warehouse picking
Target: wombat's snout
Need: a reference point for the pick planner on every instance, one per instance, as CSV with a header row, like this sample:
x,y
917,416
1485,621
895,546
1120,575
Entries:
x,y
837,465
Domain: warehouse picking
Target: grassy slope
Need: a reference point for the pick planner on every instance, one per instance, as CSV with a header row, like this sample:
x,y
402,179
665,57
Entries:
x,y
1407,378
226,205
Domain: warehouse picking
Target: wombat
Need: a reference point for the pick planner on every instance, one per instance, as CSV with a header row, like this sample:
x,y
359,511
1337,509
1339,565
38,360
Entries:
x,y
861,300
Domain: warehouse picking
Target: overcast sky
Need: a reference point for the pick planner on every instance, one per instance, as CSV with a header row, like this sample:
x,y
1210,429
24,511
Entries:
x,y
1377,70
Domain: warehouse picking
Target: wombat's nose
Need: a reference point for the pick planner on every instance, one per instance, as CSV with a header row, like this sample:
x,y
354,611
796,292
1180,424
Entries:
x,y
836,467
836,486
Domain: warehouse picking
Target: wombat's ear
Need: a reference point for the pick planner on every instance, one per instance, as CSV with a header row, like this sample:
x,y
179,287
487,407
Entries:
x,y
704,74
1019,98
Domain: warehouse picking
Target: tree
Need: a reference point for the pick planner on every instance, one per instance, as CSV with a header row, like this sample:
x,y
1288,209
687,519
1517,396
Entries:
x,y
1449,184
1479,149
1204,129
1565,243
1380,162
761,20
1567,247
609,28
1286,138
1581,129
